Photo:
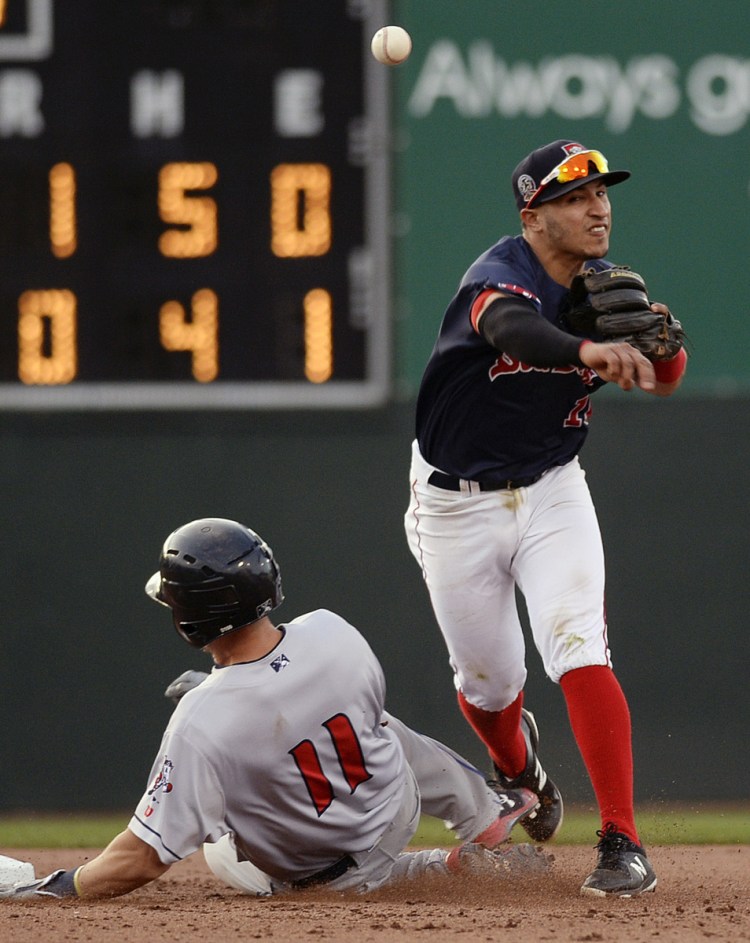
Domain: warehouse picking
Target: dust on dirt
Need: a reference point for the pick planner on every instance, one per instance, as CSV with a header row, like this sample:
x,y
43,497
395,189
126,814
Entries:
x,y
703,895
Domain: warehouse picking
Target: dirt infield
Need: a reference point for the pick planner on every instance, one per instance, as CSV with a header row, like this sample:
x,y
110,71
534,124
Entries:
x,y
703,894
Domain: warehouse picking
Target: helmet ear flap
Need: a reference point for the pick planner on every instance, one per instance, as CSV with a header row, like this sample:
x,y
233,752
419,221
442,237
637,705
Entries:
x,y
216,576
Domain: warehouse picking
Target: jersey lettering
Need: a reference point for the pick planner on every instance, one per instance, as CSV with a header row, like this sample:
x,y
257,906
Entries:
x,y
505,364
350,756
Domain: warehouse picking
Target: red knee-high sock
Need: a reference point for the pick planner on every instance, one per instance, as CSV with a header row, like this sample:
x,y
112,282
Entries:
x,y
600,720
500,731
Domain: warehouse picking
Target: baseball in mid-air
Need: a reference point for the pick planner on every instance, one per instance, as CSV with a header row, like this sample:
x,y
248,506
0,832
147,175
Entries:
x,y
391,45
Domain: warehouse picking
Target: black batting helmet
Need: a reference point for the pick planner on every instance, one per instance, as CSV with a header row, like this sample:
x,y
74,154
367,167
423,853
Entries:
x,y
215,575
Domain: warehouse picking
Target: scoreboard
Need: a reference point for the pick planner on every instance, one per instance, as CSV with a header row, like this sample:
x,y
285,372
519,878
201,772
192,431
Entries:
x,y
194,204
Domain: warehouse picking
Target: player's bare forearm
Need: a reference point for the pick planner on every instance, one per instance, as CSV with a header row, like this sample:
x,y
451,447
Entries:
x,y
125,864
621,364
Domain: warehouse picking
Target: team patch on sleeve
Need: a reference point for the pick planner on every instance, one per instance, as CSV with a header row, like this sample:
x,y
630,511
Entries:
x,y
161,786
518,290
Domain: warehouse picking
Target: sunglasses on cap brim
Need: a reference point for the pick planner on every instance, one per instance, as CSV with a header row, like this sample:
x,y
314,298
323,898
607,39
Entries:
x,y
573,168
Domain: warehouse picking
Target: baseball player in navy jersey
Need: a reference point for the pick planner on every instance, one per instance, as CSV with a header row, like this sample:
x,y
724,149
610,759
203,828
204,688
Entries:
x,y
282,763
499,500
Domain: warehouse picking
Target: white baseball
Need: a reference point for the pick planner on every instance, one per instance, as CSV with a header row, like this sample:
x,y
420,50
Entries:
x,y
391,45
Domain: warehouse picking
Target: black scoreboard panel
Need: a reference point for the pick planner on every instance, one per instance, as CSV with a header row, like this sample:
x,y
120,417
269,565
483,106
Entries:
x,y
193,204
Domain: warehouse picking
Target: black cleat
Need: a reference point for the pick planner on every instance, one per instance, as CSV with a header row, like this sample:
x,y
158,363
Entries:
x,y
623,870
543,823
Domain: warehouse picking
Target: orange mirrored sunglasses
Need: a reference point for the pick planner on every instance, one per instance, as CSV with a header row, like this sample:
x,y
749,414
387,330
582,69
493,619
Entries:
x,y
576,167
573,168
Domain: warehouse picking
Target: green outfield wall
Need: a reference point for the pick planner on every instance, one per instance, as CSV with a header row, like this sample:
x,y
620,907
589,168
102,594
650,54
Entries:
x,y
85,655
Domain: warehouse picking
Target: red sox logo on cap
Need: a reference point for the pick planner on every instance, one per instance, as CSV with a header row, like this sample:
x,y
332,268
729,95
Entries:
x,y
527,185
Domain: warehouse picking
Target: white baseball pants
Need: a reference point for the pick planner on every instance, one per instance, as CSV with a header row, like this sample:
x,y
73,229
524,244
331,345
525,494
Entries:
x,y
474,548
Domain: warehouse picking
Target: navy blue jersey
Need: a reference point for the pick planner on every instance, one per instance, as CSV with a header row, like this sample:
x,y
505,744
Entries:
x,y
485,416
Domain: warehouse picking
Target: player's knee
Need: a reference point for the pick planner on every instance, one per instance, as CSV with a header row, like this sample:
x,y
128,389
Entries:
x,y
221,858
489,694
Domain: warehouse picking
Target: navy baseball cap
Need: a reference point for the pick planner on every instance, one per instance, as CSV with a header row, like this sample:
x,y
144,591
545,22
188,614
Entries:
x,y
556,169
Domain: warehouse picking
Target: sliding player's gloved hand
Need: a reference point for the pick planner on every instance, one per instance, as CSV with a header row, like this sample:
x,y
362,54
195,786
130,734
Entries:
x,y
58,884
186,682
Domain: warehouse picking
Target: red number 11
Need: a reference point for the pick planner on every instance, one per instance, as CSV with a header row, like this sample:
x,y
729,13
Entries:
x,y
350,758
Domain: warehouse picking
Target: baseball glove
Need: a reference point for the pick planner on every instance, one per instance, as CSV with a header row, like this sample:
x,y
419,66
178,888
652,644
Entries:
x,y
186,682
615,304
58,884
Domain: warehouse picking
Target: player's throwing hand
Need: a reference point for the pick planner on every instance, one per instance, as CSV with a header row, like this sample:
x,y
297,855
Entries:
x,y
621,364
